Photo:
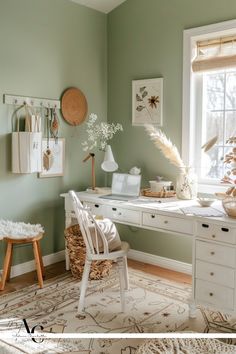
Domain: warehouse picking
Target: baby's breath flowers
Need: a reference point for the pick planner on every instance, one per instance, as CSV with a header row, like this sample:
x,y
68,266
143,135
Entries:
x,y
99,134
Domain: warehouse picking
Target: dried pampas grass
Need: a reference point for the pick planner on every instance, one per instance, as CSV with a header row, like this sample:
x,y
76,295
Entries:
x,y
168,149
210,143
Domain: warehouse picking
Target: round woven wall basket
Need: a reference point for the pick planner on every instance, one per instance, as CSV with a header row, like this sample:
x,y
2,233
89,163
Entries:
x,y
77,252
74,106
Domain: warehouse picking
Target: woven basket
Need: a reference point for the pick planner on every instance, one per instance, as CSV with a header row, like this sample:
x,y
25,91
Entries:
x,y
162,194
77,251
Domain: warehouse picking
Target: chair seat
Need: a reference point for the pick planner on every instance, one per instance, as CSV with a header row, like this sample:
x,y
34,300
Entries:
x,y
23,239
111,255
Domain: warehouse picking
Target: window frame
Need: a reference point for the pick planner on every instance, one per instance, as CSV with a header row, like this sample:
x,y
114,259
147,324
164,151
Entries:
x,y
190,80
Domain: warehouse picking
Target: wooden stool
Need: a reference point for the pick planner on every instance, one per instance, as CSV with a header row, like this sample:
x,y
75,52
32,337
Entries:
x,y
8,258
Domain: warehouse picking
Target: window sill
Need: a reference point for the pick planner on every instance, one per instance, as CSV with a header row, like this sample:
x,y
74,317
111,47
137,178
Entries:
x,y
211,188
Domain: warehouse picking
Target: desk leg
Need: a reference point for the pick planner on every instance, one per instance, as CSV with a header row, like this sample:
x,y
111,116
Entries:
x,y
68,222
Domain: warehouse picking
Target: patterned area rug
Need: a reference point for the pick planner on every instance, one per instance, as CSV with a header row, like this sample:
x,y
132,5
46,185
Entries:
x,y
153,304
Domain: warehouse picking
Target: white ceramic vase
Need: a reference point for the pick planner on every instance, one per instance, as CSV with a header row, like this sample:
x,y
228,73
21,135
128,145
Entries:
x,y
186,184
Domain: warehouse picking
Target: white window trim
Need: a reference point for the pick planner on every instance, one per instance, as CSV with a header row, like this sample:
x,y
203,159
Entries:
x,y
190,37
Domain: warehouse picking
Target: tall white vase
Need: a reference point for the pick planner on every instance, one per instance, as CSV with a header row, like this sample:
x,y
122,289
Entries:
x,y
186,184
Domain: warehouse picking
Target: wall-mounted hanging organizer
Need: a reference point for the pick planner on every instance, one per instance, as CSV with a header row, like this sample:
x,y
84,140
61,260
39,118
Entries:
x,y
31,101
27,145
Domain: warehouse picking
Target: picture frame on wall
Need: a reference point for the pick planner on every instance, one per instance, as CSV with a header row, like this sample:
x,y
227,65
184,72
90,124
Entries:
x,y
147,102
53,157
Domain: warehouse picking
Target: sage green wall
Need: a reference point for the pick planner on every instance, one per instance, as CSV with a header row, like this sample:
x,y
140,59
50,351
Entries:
x,y
145,40
45,47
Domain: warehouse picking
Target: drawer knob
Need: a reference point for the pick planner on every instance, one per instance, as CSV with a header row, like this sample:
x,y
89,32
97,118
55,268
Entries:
x,y
213,236
212,253
166,222
211,294
153,216
211,273
205,225
225,229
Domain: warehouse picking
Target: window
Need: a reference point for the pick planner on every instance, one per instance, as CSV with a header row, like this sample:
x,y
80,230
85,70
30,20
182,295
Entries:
x,y
209,98
217,118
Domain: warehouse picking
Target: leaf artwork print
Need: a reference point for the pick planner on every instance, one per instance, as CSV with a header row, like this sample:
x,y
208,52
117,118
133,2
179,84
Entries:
x,y
140,108
147,102
138,98
152,100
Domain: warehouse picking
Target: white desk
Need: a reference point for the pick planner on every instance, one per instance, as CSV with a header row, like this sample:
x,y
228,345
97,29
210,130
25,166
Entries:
x,y
214,241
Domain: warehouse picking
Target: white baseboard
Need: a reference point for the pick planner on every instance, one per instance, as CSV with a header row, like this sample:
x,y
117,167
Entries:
x,y
148,258
163,262
26,267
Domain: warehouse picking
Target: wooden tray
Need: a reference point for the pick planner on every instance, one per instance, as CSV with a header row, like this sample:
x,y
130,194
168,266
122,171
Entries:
x,y
162,194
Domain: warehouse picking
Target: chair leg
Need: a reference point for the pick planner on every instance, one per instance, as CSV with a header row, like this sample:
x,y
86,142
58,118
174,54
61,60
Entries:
x,y
84,284
40,259
126,274
7,265
38,266
10,263
120,264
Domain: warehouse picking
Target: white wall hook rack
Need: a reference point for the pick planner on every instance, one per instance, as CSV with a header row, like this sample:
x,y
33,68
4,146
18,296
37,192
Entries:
x,y
31,101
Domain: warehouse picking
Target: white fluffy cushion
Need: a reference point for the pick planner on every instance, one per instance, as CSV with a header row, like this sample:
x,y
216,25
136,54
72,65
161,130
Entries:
x,y
110,232
18,230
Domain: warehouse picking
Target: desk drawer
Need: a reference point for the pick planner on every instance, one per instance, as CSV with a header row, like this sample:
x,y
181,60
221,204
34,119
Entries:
x,y
214,294
214,253
168,223
215,273
95,208
216,232
123,215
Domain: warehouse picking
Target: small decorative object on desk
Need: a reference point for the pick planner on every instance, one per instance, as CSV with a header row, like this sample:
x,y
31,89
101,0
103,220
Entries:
x,y
229,202
186,185
205,202
147,192
158,186
134,171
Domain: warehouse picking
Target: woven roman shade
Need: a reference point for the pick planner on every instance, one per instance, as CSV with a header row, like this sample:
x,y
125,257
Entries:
x,y
213,54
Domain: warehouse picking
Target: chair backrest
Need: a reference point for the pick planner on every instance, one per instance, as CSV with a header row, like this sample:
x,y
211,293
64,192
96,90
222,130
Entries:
x,y
91,232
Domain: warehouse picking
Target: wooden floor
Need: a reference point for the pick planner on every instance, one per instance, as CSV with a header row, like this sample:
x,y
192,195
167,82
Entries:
x,y
59,268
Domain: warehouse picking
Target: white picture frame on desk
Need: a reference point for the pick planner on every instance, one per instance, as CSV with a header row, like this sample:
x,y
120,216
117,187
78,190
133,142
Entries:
x,y
147,102
57,149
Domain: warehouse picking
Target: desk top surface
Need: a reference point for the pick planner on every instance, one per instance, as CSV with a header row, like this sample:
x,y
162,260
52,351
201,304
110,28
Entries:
x,y
166,206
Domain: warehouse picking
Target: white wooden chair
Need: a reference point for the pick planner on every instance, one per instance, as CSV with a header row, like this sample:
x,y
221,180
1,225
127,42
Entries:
x,y
85,220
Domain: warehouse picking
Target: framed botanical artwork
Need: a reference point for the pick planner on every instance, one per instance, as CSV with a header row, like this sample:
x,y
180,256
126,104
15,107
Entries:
x,y
147,101
53,157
